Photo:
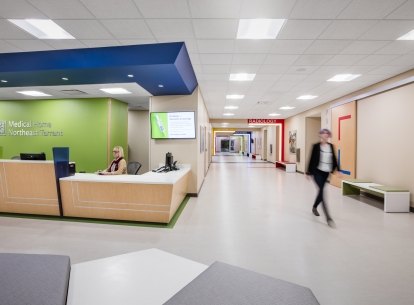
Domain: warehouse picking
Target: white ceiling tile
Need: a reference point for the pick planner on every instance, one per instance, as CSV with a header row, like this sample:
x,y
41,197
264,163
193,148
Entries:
x,y
215,8
301,69
195,58
215,46
282,86
359,69
277,59
112,9
290,46
293,77
8,48
215,28
279,9
388,70
403,60
252,46
165,28
208,76
97,43
68,9
19,9
344,59
318,9
163,8
248,59
9,31
127,42
397,47
198,69
215,59
66,44
312,60
327,46
303,29
389,30
369,9
405,11
128,28
379,60
238,87
364,47
347,29
273,69
244,68
216,68
85,29
190,44
30,45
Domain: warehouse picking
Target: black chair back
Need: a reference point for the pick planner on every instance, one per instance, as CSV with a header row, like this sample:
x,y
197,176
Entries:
x,y
133,167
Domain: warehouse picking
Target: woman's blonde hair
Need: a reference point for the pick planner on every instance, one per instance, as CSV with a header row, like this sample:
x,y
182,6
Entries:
x,y
120,149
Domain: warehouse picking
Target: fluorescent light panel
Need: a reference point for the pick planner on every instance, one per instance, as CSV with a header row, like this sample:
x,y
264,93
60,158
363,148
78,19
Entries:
x,y
234,96
115,91
242,77
231,107
33,93
407,36
259,28
42,28
287,108
343,77
306,97
274,114
228,114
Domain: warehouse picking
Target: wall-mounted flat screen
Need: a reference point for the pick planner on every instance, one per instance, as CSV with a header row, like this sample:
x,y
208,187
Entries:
x,y
173,125
33,156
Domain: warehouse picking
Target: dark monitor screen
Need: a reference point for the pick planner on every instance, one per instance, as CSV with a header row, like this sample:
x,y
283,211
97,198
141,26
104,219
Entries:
x,y
33,156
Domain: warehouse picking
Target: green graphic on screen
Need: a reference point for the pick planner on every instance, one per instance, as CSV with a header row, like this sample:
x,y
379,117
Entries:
x,y
159,125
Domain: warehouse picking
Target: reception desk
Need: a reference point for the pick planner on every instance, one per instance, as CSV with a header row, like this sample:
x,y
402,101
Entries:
x,y
151,197
28,187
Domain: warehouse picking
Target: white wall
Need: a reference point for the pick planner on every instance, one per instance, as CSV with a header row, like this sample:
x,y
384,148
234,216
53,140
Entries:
x,y
313,126
384,138
271,140
138,138
184,151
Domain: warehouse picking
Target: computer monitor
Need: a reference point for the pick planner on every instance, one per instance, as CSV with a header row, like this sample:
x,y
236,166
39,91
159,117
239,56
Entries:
x,y
33,156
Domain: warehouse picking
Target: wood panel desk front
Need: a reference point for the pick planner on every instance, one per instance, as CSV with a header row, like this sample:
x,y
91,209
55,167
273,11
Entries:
x,y
151,197
28,187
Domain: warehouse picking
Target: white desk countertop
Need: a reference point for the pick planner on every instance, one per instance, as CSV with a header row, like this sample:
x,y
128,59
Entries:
x,y
147,178
25,161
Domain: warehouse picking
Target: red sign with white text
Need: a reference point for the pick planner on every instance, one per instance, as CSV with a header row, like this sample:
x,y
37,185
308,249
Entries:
x,y
264,121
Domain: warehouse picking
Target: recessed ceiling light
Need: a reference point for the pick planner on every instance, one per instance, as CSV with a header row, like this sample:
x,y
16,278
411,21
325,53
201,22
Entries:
x,y
343,77
306,97
42,28
274,114
115,91
33,93
259,28
228,114
407,36
65,78
234,96
160,86
242,77
231,107
130,75
4,81
287,108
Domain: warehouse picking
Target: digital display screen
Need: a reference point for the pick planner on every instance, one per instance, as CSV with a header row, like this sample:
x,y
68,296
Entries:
x,y
173,125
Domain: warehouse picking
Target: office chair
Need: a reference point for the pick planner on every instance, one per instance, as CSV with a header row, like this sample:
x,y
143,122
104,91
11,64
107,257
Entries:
x,y
133,168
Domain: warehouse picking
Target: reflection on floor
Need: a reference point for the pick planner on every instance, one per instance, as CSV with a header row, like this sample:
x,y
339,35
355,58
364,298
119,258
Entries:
x,y
259,219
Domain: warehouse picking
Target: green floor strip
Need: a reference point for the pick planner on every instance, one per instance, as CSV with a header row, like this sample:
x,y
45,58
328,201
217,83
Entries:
x,y
169,225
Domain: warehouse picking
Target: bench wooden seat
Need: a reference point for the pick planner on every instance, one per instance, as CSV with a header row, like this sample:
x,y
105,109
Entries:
x,y
395,199
290,167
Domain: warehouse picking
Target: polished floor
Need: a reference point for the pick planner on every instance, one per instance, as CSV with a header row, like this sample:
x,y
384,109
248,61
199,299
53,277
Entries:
x,y
259,218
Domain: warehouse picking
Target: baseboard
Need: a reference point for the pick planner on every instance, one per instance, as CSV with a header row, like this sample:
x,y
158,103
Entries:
x,y
412,209
300,172
192,194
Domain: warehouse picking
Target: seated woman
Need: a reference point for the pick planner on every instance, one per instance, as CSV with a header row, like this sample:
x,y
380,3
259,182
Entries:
x,y
118,165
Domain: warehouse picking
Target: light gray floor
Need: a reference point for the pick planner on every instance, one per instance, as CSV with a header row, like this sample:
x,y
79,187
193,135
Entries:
x,y
258,218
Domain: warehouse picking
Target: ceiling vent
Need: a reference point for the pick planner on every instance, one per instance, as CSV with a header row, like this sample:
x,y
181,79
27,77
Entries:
x,y
263,103
73,92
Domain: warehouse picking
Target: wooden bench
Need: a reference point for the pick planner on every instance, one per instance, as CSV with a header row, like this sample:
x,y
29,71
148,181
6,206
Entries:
x,y
290,167
395,199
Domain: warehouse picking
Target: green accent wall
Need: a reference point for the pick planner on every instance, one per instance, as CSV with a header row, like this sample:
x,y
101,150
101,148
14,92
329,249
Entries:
x,y
119,124
80,124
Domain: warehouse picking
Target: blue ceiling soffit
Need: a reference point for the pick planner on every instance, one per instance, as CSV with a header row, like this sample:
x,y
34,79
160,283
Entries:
x,y
152,65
